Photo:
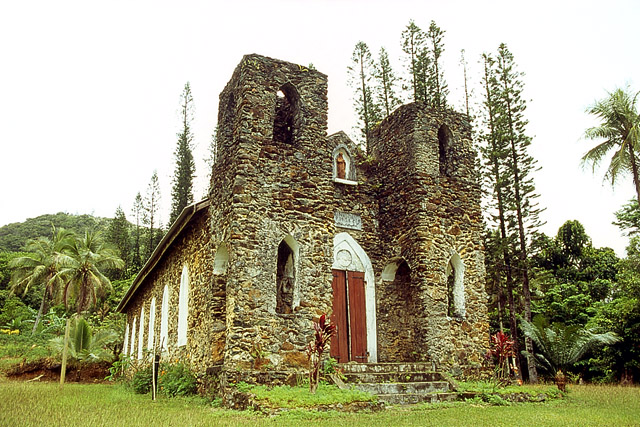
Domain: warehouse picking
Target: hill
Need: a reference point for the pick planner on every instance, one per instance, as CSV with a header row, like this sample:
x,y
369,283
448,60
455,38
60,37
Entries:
x,y
14,236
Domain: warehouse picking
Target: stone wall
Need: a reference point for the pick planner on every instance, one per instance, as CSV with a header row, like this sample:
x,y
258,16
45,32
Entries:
x,y
205,321
415,203
279,183
426,215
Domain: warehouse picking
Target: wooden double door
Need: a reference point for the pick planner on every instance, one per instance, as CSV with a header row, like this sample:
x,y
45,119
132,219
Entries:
x,y
349,315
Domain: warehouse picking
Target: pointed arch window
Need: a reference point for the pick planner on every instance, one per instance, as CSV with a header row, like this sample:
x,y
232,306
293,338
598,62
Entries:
x,y
133,337
152,323
286,275
444,148
164,318
455,287
287,118
221,260
141,334
125,346
183,307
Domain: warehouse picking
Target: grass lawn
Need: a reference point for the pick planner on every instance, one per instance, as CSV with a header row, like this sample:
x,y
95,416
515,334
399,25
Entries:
x,y
44,404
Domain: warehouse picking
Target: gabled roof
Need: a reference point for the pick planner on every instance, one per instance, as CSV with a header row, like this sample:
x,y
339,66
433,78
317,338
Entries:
x,y
177,227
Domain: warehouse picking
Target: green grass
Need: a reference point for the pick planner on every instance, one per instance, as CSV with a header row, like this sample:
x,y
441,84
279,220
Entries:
x,y
294,397
44,404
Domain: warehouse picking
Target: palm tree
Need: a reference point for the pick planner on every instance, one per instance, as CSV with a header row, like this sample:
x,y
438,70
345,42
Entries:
x,y
41,267
82,269
620,129
559,347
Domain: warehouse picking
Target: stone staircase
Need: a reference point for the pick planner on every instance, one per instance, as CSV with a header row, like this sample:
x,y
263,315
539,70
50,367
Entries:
x,y
398,383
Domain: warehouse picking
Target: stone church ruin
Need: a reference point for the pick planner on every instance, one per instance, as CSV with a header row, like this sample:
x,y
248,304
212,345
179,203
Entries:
x,y
299,223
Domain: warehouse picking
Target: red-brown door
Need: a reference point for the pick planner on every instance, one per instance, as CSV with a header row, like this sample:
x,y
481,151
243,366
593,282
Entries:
x,y
349,316
357,316
340,340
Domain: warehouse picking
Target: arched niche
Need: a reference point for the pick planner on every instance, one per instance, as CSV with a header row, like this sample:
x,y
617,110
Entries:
x,y
287,116
445,140
286,275
221,260
400,313
343,169
349,255
455,287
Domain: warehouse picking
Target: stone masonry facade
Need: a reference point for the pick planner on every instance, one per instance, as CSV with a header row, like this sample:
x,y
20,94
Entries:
x,y
296,217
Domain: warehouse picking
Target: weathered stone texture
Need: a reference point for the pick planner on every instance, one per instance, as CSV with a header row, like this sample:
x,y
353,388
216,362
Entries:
x,y
205,326
408,206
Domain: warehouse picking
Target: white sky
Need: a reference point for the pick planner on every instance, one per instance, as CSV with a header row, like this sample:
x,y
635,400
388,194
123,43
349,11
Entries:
x,y
90,91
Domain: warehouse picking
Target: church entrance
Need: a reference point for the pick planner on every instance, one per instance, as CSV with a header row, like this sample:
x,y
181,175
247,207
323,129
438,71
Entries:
x,y
349,315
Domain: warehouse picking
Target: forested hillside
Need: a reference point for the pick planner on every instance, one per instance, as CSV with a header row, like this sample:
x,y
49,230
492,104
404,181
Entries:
x,y
14,236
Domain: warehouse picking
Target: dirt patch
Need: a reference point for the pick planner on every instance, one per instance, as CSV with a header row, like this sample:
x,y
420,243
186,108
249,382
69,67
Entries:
x,y
49,370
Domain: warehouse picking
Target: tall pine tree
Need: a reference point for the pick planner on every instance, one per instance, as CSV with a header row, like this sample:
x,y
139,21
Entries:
x,y
413,44
436,86
386,84
138,214
361,72
151,210
182,190
118,235
511,171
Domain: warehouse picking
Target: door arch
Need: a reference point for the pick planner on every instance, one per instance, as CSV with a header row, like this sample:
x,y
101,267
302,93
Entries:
x,y
351,262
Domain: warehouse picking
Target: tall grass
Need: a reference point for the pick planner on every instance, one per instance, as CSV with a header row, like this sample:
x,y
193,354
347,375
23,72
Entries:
x,y
44,404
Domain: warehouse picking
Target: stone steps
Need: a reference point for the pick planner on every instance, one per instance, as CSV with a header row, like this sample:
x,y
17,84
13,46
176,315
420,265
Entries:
x,y
398,383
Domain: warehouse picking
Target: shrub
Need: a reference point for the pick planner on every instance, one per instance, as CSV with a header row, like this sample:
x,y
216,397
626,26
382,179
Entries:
x,y
141,381
177,380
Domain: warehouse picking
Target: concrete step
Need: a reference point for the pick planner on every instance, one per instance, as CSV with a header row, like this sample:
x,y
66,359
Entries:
x,y
398,383
404,388
352,367
413,398
392,377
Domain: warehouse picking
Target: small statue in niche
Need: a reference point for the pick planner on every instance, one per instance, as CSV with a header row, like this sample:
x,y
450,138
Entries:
x,y
341,167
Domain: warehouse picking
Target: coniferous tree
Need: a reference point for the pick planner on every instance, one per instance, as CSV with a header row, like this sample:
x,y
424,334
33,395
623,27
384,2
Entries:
x,y
151,207
118,236
495,153
413,44
436,86
510,170
512,129
386,79
138,213
361,71
182,190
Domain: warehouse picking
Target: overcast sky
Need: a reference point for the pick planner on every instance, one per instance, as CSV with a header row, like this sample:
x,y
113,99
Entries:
x,y
90,91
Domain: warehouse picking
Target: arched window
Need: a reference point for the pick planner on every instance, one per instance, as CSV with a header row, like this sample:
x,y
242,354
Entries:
x,y
152,323
133,337
164,319
221,260
455,287
125,346
141,333
286,275
444,145
183,307
286,123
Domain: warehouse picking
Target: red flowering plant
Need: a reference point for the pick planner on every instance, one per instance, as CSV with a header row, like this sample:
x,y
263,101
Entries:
x,y
501,350
315,349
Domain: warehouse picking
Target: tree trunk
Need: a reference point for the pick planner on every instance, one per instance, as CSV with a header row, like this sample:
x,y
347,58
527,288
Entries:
x,y
634,170
41,310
